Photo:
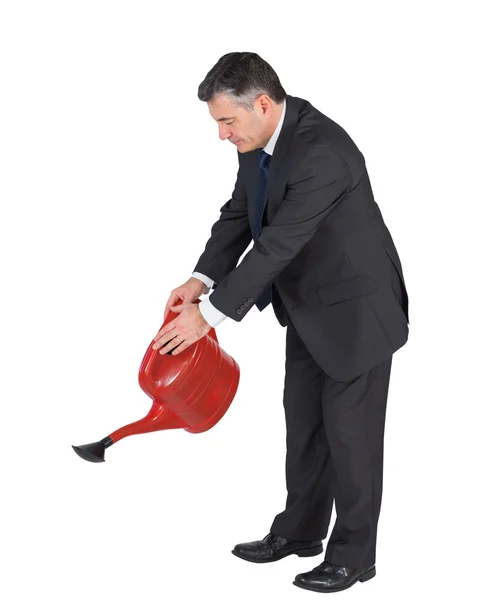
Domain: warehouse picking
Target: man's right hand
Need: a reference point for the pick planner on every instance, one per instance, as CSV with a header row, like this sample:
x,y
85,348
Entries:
x,y
187,292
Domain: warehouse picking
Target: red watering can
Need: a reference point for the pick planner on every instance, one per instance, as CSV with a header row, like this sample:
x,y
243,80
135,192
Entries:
x,y
191,390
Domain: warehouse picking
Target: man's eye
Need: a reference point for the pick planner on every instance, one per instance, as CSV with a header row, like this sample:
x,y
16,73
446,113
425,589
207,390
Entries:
x,y
230,122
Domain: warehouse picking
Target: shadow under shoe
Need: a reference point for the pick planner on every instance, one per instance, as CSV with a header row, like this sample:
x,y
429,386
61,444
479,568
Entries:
x,y
274,547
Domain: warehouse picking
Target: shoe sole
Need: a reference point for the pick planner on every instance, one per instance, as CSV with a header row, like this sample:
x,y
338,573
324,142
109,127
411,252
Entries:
x,y
362,578
314,551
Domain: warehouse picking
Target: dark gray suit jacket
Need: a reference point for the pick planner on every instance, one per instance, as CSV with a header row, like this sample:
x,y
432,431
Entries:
x,y
324,246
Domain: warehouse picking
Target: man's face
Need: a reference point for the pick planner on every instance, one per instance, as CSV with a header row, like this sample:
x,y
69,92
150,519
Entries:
x,y
247,130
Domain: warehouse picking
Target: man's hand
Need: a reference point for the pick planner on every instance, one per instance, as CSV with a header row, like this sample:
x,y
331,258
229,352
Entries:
x,y
183,331
187,292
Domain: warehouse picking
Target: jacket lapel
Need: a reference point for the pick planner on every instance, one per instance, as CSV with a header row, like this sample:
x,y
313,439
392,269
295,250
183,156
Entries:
x,y
282,158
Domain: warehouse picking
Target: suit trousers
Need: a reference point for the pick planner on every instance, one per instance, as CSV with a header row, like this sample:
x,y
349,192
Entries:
x,y
334,440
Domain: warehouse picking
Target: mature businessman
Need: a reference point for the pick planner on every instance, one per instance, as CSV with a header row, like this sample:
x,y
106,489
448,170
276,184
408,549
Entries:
x,y
323,256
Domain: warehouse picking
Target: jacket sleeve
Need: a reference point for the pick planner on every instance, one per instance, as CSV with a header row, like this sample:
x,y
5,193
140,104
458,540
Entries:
x,y
318,182
230,236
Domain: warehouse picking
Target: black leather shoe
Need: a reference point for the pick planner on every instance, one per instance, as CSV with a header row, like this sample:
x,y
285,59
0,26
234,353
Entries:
x,y
332,578
274,547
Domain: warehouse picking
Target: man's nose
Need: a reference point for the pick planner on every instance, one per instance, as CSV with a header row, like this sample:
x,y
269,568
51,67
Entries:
x,y
224,134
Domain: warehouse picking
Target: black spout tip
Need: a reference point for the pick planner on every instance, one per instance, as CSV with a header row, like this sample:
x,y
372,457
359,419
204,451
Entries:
x,y
94,452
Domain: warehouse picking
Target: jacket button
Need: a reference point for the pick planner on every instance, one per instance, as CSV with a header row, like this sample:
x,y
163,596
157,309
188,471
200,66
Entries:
x,y
249,300
239,312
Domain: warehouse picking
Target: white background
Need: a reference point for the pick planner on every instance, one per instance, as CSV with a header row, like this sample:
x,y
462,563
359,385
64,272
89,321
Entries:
x,y
112,174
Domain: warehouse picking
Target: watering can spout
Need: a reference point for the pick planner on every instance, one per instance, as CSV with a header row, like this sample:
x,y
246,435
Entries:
x,y
94,452
159,417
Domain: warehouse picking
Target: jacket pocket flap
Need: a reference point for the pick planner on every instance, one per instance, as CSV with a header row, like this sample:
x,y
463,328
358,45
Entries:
x,y
346,289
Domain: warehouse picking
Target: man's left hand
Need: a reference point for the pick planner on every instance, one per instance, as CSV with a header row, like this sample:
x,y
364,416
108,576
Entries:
x,y
187,328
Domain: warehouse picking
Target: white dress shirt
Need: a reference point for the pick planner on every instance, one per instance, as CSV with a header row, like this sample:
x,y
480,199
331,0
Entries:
x,y
211,314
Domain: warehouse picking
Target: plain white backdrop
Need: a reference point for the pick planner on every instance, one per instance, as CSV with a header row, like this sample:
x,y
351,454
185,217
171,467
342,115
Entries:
x,y
112,174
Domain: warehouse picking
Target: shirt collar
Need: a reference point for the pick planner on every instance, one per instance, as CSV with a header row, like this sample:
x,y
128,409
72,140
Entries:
x,y
269,147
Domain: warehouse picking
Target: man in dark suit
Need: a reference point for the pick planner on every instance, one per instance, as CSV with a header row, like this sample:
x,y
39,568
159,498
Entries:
x,y
323,256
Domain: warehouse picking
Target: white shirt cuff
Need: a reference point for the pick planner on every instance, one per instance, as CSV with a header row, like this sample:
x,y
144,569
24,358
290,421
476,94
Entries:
x,y
207,280
211,314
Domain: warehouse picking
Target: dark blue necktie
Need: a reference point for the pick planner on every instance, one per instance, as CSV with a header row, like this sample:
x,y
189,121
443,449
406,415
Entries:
x,y
266,297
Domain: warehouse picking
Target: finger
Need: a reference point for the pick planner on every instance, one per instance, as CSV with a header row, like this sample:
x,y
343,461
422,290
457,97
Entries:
x,y
167,310
182,346
181,307
172,344
166,343
167,329
162,342
170,302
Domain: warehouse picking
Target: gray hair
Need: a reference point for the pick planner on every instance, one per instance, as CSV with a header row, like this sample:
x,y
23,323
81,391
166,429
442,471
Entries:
x,y
242,76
